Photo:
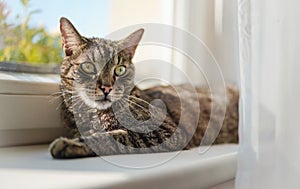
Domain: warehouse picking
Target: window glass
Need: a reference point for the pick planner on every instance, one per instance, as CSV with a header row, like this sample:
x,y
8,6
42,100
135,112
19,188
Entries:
x,y
29,30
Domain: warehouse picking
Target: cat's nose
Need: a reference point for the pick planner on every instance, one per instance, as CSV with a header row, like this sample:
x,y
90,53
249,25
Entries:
x,y
106,89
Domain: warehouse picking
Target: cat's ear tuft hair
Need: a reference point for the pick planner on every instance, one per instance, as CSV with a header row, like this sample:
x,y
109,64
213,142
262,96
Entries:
x,y
71,39
130,43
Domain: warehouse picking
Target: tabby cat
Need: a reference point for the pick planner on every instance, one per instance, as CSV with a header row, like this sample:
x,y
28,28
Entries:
x,y
107,114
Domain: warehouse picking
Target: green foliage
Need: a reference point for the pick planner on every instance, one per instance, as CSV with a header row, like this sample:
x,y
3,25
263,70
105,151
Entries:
x,y
20,42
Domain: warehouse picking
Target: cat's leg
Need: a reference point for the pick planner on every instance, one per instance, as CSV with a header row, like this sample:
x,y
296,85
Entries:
x,y
76,147
128,142
119,142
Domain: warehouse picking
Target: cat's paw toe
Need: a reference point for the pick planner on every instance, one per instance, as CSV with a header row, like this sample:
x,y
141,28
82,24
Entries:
x,y
69,148
60,148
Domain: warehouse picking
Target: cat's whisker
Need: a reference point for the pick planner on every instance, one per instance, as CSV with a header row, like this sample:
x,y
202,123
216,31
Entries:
x,y
127,104
143,108
72,97
64,92
81,105
54,99
55,96
57,93
67,100
75,96
143,116
137,98
136,104
76,103
144,101
59,105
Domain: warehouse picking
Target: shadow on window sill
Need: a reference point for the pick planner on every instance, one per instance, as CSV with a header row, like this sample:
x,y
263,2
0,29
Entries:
x,y
28,68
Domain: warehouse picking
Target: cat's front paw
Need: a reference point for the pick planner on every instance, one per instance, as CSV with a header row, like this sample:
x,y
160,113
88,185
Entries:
x,y
68,148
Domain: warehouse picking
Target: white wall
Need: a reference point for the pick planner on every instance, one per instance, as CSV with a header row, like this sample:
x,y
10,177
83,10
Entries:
x,y
133,12
211,21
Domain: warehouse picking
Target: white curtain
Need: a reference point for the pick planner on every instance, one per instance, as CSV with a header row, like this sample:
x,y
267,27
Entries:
x,y
269,56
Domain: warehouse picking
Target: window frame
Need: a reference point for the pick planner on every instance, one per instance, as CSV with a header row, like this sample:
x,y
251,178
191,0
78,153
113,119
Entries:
x,y
29,112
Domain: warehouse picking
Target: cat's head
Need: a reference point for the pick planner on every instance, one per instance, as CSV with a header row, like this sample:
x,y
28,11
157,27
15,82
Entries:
x,y
100,71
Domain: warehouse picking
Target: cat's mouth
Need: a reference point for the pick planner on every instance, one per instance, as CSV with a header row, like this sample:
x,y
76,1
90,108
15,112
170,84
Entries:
x,y
102,100
98,103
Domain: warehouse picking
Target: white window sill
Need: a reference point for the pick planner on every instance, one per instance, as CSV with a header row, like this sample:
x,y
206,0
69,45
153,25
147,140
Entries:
x,y
32,167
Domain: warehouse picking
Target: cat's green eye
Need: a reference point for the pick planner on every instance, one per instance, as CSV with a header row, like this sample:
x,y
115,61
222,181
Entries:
x,y
120,70
88,68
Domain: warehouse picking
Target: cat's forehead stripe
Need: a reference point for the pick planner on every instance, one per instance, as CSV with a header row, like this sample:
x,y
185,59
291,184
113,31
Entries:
x,y
104,49
92,56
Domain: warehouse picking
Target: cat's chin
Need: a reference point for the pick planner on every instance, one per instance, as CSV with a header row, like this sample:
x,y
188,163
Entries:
x,y
99,104
103,105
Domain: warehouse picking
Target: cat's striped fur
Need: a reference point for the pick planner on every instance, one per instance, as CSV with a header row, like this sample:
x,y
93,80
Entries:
x,y
107,114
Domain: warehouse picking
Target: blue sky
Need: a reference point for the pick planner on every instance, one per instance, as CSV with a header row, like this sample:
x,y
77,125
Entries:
x,y
90,17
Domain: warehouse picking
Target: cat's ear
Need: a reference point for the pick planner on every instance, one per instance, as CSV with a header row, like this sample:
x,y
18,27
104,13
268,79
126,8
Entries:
x,y
71,39
130,43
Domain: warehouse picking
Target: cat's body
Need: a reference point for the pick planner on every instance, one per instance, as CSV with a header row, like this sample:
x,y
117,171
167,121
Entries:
x,y
108,115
